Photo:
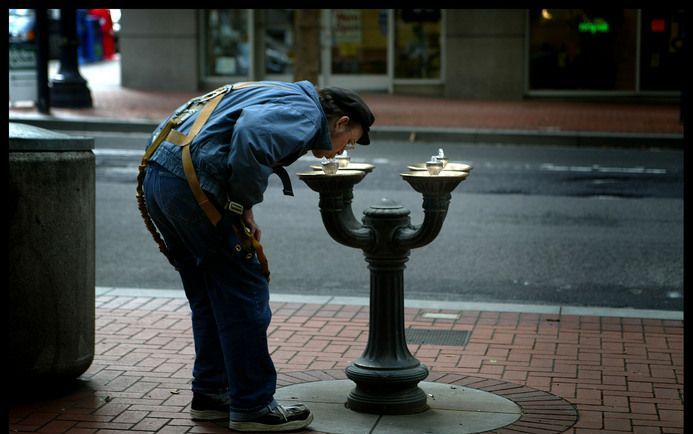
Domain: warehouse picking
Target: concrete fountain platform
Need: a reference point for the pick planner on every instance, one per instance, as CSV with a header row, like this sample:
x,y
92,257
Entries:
x,y
454,409
458,404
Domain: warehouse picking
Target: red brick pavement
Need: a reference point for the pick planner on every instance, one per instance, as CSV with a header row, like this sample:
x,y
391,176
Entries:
x,y
623,375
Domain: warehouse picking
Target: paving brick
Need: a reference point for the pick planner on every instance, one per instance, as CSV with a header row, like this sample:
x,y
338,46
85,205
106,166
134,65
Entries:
x,y
57,427
171,429
513,375
105,426
130,416
616,423
565,390
588,396
494,370
542,383
646,430
150,424
111,409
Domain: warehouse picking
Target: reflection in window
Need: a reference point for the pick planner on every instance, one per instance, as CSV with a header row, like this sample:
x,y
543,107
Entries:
x,y
359,44
661,49
227,42
279,41
588,49
417,43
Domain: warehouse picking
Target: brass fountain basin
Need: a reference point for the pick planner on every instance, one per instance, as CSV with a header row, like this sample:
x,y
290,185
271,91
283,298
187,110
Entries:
x,y
318,174
320,182
443,183
460,167
365,167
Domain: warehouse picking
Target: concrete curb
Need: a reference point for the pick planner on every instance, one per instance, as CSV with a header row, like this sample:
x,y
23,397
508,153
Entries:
x,y
420,304
407,133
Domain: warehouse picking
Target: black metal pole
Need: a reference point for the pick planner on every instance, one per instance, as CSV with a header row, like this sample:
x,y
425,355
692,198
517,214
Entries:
x,y
387,374
43,102
68,88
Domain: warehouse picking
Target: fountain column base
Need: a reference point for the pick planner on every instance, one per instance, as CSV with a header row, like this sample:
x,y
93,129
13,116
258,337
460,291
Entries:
x,y
390,391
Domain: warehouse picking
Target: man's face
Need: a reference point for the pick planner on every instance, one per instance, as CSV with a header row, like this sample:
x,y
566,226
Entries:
x,y
341,135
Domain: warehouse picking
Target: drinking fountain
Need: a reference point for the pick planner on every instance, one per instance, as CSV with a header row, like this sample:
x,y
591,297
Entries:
x,y
386,374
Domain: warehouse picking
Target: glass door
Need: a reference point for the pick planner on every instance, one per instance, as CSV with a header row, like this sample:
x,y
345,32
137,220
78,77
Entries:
x,y
358,48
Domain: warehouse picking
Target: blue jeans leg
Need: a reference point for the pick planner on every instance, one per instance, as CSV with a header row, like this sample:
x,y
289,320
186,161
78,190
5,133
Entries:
x,y
240,299
228,296
209,369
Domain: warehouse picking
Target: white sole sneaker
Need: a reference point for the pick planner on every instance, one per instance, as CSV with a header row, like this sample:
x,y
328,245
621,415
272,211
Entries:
x,y
252,426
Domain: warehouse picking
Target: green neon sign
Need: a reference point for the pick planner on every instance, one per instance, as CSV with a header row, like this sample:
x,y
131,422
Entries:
x,y
598,25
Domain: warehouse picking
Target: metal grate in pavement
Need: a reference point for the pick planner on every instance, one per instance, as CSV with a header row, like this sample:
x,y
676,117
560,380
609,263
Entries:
x,y
437,337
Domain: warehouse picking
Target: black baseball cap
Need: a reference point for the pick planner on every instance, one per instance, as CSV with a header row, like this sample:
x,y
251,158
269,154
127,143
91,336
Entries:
x,y
354,107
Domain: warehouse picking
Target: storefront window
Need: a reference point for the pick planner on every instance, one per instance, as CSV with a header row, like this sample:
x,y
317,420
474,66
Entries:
x,y
417,43
279,41
227,47
661,50
582,49
359,44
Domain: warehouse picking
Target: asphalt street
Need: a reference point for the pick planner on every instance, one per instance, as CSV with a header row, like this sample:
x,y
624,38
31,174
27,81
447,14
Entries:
x,y
543,224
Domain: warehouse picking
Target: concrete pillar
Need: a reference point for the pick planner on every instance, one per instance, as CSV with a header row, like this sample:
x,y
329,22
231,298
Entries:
x,y
485,54
159,49
51,301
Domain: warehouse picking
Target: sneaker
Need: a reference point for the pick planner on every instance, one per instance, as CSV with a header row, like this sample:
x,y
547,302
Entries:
x,y
204,407
282,418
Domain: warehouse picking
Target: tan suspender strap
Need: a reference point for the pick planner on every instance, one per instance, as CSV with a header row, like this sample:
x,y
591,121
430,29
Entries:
x,y
184,141
155,144
210,210
205,113
176,138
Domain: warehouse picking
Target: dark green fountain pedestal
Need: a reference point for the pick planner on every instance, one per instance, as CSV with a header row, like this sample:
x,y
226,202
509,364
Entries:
x,y
387,374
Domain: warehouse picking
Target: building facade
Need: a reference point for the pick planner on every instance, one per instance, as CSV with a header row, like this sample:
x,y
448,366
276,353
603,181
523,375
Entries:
x,y
497,54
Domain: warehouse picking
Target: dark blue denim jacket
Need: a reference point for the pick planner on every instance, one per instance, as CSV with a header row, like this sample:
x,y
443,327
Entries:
x,y
250,132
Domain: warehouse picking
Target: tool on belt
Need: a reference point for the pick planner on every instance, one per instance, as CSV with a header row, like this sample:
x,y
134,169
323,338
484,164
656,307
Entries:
x,y
205,104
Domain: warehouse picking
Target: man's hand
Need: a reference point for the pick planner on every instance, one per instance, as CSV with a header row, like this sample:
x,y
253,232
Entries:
x,y
249,222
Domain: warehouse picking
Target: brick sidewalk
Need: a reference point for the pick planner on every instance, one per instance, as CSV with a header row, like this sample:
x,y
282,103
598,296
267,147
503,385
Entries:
x,y
413,111
622,375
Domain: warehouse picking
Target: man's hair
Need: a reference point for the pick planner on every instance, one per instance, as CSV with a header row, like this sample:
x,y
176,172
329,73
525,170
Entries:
x,y
337,102
330,107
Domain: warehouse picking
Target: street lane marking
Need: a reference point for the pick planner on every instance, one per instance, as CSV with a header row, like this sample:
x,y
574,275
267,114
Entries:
x,y
602,169
437,315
